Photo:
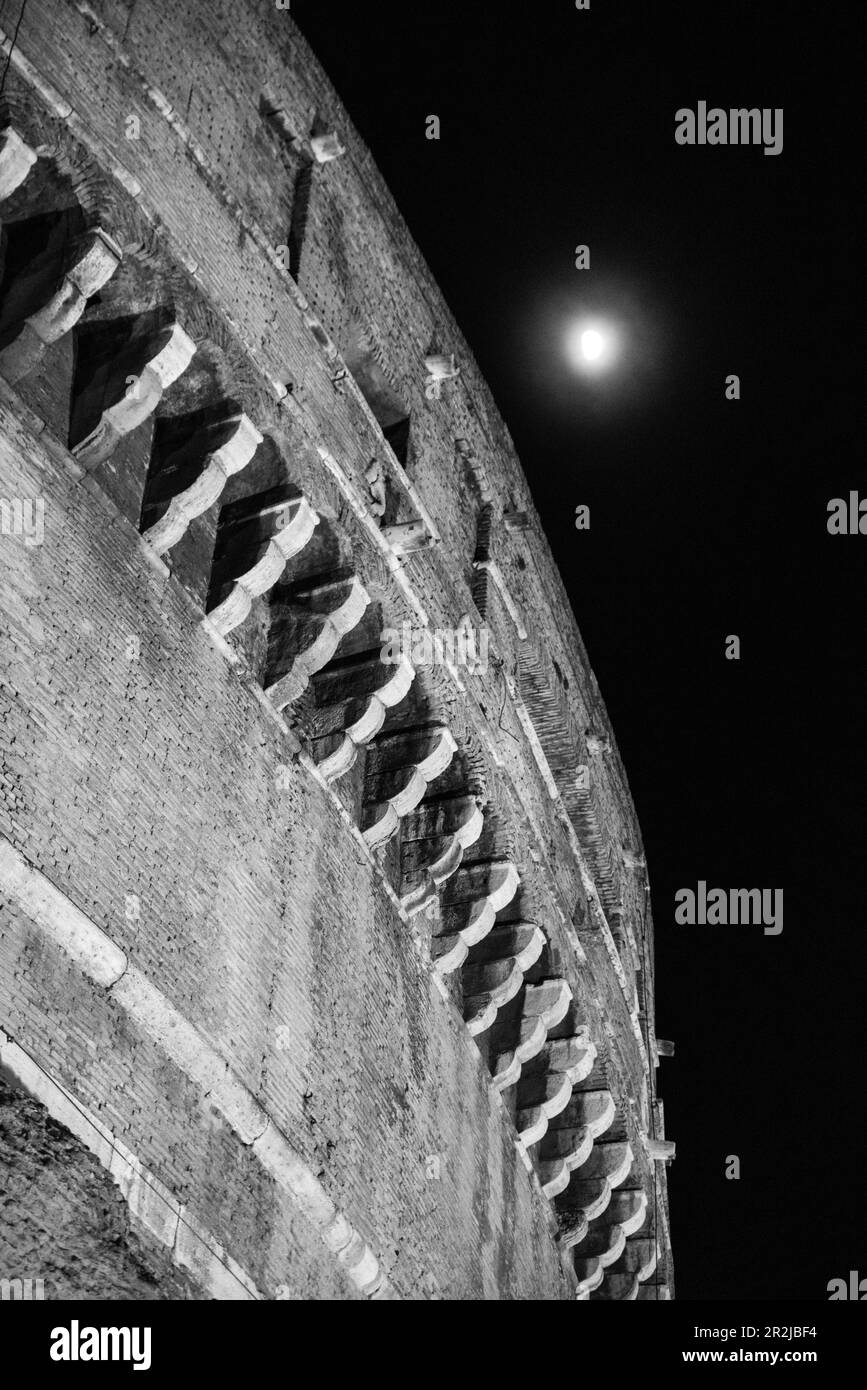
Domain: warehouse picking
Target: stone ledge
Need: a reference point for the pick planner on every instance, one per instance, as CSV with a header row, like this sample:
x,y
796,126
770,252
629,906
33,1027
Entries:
x,y
148,1009
151,1204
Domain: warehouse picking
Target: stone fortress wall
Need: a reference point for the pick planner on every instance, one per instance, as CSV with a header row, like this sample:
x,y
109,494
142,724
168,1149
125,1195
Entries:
x,y
339,972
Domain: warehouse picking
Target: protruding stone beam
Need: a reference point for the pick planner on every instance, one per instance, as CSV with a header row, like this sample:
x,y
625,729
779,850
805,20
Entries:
x,y
326,147
565,1143
543,1006
569,1146
440,369
16,161
308,627
610,1160
607,1167
665,1047
166,358
352,697
406,536
280,530
94,261
546,1084
661,1150
496,973
233,443
635,1267
546,1094
471,901
574,1055
624,1215
434,839
628,1208
600,1248
587,1286
401,767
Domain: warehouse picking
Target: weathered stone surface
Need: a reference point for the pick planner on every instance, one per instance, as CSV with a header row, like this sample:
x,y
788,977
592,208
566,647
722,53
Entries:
x,y
66,1222
152,365
214,855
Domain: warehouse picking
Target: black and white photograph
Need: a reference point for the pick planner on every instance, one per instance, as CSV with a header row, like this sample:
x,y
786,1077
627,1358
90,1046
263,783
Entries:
x,y
433,527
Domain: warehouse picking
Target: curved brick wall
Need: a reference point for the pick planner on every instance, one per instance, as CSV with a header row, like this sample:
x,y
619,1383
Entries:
x,y
203,940
64,1217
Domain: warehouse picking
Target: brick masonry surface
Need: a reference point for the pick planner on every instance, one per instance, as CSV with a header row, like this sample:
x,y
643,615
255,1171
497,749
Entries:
x,y
161,804
155,778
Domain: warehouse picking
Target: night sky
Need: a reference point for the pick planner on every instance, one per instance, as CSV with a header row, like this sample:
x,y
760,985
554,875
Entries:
x,y
708,518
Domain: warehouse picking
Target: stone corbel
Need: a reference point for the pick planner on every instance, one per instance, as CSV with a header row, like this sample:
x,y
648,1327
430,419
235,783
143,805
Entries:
x,y
293,524
496,974
541,1096
600,1248
434,839
326,147
167,358
606,1168
471,901
623,1217
405,537
403,766
640,1257
352,707
585,1115
95,261
546,1086
661,1150
16,161
319,615
220,464
566,1143
543,1006
440,369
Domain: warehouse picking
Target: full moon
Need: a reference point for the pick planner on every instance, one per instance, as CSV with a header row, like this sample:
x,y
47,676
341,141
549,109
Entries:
x,y
592,344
